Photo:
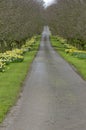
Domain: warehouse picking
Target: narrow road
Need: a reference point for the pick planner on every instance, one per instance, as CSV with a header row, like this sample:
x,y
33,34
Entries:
x,y
54,96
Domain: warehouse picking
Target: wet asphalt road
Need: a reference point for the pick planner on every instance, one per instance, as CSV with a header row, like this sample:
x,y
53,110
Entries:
x,y
54,96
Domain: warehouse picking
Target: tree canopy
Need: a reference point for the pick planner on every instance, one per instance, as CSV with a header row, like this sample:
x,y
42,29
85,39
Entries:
x,y
20,19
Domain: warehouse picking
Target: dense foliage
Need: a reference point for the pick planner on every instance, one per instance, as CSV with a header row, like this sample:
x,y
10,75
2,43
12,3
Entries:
x,y
68,19
19,19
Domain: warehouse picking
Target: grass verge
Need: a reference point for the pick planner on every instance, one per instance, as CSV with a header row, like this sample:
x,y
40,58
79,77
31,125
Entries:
x,y
79,64
11,81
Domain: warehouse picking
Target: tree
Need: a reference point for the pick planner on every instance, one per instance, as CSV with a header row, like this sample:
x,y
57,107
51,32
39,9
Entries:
x,y
68,19
19,19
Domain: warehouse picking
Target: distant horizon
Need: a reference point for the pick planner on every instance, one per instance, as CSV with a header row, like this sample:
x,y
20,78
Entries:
x,y
48,2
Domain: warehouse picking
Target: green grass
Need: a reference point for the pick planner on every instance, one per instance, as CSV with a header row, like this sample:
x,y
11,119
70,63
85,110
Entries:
x,y
79,64
11,81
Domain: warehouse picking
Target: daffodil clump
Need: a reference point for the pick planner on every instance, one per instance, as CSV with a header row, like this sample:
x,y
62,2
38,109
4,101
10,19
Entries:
x,y
28,45
16,55
69,49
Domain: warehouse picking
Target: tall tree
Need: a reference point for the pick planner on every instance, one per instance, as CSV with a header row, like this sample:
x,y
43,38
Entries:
x,y
68,18
20,19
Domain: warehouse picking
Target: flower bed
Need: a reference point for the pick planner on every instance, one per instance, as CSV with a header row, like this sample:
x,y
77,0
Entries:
x,y
16,55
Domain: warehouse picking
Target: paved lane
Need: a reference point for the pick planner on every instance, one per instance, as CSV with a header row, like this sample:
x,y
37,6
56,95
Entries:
x,y
54,96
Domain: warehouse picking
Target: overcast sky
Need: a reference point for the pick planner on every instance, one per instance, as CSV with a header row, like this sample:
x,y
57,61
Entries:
x,y
48,2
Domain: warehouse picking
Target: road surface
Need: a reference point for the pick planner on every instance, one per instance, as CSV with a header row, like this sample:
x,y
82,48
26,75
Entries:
x,y
54,95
